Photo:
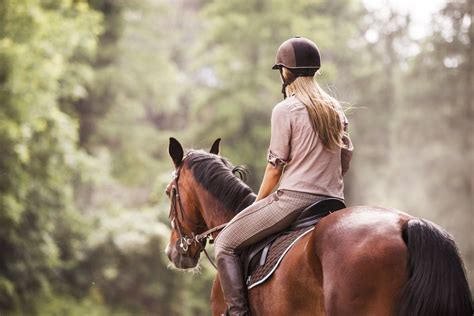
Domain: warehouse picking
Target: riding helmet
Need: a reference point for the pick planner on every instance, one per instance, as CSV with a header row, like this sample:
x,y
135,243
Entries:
x,y
299,55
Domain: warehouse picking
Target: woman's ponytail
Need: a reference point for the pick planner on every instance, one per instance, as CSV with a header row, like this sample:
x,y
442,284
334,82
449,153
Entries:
x,y
324,111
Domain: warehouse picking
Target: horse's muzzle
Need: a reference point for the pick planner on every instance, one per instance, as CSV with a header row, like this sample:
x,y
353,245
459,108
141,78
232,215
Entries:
x,y
181,261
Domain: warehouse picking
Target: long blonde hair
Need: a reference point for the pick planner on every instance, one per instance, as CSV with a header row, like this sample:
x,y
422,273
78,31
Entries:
x,y
322,109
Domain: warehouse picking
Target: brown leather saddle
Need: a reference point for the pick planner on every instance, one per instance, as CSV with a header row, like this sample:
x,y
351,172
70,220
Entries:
x,y
262,259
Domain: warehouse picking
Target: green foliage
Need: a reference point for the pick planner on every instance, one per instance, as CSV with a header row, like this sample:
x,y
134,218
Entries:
x,y
38,141
58,305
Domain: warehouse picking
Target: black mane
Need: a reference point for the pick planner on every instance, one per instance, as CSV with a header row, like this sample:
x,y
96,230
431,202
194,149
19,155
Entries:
x,y
218,176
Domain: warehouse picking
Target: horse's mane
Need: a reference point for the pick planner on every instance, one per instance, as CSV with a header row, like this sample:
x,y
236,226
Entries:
x,y
219,177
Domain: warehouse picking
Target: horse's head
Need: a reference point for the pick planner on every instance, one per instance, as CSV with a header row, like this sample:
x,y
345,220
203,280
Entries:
x,y
185,211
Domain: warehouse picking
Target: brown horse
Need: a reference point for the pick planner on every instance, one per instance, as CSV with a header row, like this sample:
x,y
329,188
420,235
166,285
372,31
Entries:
x,y
358,261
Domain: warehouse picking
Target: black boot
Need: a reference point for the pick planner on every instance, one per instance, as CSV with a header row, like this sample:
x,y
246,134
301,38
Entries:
x,y
232,283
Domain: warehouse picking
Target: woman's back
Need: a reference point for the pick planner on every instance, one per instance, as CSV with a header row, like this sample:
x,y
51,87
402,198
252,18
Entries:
x,y
310,167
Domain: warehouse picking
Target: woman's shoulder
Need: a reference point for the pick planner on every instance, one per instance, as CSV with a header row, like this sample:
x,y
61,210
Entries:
x,y
289,104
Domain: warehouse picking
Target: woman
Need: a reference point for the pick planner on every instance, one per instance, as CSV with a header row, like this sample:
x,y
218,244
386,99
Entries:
x,y
309,153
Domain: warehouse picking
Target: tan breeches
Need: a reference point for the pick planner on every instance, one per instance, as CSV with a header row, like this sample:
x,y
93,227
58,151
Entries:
x,y
262,219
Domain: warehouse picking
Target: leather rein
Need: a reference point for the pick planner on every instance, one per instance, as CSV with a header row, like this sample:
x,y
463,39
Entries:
x,y
184,240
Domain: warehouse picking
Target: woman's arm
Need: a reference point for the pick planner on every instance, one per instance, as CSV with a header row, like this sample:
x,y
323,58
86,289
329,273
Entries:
x,y
270,180
346,154
278,151
346,151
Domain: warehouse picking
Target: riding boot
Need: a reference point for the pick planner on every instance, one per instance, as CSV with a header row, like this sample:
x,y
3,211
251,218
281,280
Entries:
x,y
232,283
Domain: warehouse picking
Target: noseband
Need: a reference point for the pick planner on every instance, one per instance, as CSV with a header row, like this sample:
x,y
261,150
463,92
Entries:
x,y
184,240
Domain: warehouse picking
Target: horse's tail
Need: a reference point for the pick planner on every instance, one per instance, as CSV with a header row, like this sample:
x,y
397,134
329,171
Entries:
x,y
437,283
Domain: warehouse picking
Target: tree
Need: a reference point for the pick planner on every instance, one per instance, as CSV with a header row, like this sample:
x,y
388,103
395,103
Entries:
x,y
37,140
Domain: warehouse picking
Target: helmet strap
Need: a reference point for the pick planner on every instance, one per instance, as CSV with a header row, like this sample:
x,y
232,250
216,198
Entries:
x,y
285,83
296,73
283,90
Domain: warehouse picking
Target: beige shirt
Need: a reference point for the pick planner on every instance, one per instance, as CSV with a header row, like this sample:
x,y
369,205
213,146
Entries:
x,y
309,167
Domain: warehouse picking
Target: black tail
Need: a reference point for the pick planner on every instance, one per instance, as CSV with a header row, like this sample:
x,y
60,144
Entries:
x,y
437,283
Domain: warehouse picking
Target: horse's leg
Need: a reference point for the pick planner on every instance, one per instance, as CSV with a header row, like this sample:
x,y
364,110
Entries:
x,y
218,304
363,259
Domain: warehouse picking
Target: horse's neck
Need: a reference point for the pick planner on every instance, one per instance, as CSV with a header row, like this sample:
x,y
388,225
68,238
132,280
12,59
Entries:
x,y
246,201
215,214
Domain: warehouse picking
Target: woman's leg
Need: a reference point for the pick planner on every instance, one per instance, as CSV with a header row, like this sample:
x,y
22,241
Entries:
x,y
259,220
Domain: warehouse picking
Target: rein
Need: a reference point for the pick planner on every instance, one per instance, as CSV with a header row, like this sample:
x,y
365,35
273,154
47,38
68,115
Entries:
x,y
184,240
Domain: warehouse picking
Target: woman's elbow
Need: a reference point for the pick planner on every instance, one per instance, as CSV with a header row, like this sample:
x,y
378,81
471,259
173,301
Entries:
x,y
274,172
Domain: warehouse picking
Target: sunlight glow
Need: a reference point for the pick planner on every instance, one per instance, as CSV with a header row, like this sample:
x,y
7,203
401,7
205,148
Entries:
x,y
420,12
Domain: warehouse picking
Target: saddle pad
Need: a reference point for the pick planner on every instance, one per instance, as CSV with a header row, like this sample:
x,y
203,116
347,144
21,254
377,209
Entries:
x,y
276,253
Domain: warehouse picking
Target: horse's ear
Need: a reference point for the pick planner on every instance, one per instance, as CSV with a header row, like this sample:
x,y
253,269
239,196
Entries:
x,y
215,147
176,152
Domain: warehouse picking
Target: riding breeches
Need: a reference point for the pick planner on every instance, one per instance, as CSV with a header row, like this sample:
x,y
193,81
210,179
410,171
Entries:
x,y
262,219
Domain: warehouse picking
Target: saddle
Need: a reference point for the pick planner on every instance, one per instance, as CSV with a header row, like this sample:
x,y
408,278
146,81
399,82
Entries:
x,y
262,259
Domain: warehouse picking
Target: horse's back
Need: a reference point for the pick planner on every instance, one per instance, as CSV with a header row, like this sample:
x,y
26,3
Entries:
x,y
363,260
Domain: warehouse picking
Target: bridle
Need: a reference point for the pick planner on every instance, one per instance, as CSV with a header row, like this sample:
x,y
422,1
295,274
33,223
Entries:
x,y
177,211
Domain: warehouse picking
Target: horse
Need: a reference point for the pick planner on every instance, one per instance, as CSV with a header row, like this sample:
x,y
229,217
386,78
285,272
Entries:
x,y
361,260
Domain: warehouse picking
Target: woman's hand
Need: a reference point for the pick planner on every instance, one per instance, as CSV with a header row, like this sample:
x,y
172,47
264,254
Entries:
x,y
270,180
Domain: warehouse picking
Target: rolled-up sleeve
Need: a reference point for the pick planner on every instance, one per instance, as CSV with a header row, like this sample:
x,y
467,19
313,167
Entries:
x,y
279,149
347,150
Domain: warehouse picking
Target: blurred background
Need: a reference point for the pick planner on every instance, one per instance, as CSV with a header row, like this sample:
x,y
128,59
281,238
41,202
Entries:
x,y
90,92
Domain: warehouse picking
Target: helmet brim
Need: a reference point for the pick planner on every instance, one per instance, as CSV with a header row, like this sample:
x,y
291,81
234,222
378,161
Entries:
x,y
279,65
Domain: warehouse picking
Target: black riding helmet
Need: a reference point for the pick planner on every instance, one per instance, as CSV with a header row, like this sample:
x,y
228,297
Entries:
x,y
299,55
